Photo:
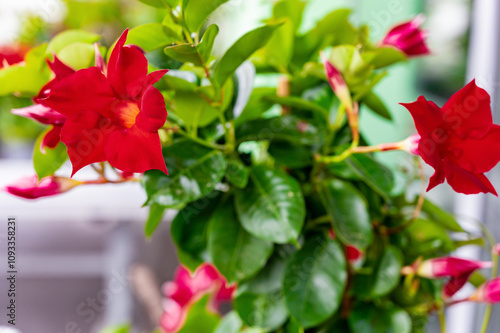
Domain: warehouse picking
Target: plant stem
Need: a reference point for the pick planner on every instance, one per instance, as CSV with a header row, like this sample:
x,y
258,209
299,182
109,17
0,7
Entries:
x,y
489,306
442,319
201,141
229,134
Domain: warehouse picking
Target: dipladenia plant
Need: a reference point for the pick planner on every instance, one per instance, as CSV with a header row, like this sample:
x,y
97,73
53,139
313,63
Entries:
x,y
283,209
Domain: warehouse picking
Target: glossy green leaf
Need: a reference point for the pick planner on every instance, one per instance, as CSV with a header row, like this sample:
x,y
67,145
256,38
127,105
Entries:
x,y
237,173
349,212
78,55
291,9
154,219
287,128
299,103
48,162
200,319
236,253
366,318
272,206
197,11
69,37
231,323
348,60
374,103
441,217
194,172
241,51
427,238
314,281
290,155
157,3
376,175
293,326
267,311
207,42
184,53
278,51
190,227
388,272
26,78
193,109
151,36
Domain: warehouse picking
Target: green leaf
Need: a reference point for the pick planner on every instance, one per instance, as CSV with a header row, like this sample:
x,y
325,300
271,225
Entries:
x,y
154,219
441,217
375,104
197,11
348,60
272,206
314,281
293,326
291,9
349,212
69,37
366,318
388,272
384,56
427,238
241,51
190,228
278,51
236,253
200,319
194,172
77,55
184,53
158,3
299,103
373,173
193,109
290,155
256,106
151,36
26,78
237,173
231,323
266,311
48,162
207,42
287,128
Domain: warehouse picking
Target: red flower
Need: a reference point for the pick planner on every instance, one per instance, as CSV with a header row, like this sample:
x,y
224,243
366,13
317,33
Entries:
x,y
113,116
187,289
11,55
31,188
458,140
408,37
46,115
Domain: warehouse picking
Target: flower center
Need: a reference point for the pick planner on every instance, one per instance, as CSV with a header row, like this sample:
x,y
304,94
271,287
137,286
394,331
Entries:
x,y
126,113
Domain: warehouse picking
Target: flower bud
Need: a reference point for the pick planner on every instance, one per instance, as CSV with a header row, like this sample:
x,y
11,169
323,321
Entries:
x,y
408,37
489,292
450,266
31,188
337,82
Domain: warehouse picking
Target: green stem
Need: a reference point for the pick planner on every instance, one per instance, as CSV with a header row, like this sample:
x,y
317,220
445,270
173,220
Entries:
x,y
202,142
229,134
442,319
489,306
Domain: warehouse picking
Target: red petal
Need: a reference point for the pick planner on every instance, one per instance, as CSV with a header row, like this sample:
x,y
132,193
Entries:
x,y
134,150
426,115
52,138
60,69
86,135
40,113
153,112
468,112
87,89
454,285
466,182
127,68
153,77
477,156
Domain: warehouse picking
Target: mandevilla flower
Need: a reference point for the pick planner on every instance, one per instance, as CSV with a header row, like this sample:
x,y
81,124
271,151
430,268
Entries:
x,y
408,37
187,289
337,82
113,114
459,270
11,55
30,188
458,140
489,292
46,115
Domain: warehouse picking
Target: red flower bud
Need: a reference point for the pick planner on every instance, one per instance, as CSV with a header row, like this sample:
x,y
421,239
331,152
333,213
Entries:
x,y
31,188
408,37
449,266
337,82
489,292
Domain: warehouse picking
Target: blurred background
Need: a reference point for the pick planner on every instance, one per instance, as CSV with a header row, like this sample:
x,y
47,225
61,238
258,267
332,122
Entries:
x,y
75,250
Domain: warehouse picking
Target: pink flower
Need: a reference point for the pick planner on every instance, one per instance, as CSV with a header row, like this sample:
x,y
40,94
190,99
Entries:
x,y
489,292
337,82
187,289
31,188
408,37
